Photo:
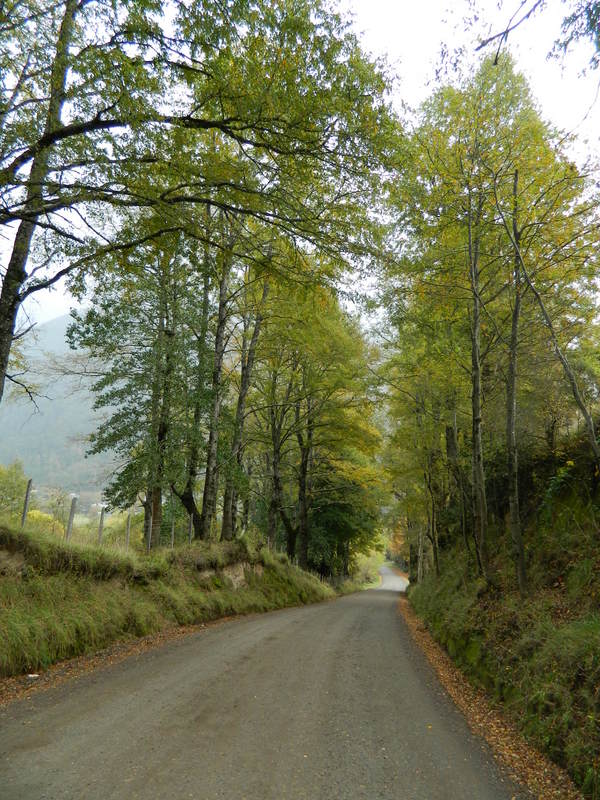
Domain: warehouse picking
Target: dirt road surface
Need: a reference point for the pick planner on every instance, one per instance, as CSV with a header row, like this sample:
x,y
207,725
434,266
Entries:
x,y
326,702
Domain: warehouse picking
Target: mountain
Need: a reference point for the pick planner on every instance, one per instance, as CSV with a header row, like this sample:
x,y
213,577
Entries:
x,y
51,440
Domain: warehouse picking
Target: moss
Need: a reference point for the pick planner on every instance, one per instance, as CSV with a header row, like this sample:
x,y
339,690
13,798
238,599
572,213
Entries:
x,y
532,655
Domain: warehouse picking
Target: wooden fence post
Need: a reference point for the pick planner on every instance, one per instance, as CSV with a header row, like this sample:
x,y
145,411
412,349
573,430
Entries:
x,y
127,530
101,524
26,503
71,518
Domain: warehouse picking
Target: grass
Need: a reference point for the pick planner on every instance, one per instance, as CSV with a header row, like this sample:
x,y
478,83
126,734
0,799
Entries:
x,y
540,656
58,601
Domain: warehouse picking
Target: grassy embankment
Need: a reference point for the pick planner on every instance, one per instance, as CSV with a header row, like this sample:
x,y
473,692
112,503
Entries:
x,y
58,601
539,655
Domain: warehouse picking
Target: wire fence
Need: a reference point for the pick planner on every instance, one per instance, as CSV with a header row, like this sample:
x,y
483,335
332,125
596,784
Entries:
x,y
123,529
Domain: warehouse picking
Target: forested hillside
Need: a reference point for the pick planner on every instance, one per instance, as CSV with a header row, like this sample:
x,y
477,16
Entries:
x,y
312,321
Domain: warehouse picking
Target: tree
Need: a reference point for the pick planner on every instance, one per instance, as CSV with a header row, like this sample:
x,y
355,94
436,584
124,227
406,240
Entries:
x,y
581,22
137,337
312,417
103,103
490,184
13,483
251,325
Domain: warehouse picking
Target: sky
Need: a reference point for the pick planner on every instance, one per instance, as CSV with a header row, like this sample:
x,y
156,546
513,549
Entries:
x,y
410,33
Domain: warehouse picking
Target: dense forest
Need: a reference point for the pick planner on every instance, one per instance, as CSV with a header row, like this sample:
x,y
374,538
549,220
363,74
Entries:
x,y
313,322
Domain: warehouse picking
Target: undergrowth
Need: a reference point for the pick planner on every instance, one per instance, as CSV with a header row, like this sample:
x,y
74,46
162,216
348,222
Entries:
x,y
365,574
61,600
539,655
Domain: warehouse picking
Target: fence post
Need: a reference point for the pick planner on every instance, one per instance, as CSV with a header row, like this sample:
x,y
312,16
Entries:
x,y
127,530
26,503
71,518
190,528
101,524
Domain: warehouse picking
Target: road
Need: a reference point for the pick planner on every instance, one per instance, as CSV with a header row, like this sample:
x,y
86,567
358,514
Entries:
x,y
326,702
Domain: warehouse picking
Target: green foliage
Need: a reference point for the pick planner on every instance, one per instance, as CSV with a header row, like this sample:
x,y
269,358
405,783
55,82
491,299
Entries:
x,y
364,573
13,483
558,483
315,419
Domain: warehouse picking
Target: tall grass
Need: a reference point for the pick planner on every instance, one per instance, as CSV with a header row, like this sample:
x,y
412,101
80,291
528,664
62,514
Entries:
x,y
60,600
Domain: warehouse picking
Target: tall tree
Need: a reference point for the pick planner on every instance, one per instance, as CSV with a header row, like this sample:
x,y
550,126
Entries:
x,y
103,104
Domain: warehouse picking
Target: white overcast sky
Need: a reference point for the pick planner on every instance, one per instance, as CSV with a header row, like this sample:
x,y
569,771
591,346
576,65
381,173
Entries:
x,y
409,33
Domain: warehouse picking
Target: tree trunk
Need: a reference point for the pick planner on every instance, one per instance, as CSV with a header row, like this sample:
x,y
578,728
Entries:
x,y
160,421
247,364
277,505
569,374
277,415
16,271
305,442
412,563
156,516
147,506
209,498
432,525
247,504
479,494
420,555
457,473
187,495
434,540
272,508
346,559
511,411
303,513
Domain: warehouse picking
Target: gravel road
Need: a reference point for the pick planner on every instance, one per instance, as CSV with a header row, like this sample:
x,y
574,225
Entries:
x,y
326,702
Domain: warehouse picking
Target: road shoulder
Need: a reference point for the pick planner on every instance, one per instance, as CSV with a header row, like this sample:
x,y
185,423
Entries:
x,y
524,763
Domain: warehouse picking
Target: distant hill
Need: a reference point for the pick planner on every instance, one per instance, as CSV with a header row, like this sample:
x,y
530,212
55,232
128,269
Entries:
x,y
52,442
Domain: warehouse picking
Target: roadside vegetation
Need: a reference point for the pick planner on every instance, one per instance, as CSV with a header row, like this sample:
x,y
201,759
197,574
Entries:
x,y
538,656
61,600
492,379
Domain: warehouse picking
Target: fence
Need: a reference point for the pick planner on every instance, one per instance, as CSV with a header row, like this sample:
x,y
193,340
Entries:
x,y
99,535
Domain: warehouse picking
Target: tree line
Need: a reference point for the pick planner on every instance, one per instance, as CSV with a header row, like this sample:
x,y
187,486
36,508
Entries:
x,y
204,176
493,308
